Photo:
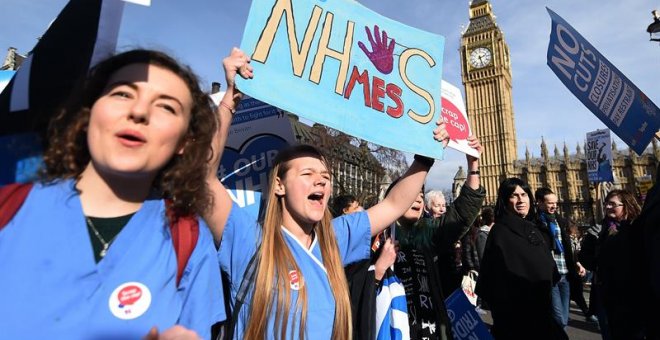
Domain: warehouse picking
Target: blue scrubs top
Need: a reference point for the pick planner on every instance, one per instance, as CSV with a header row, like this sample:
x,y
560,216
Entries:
x,y
51,287
239,242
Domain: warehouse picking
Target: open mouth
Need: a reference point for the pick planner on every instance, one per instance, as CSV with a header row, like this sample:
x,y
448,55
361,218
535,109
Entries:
x,y
316,197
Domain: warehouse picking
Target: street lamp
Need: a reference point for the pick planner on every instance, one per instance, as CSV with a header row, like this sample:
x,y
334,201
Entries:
x,y
654,27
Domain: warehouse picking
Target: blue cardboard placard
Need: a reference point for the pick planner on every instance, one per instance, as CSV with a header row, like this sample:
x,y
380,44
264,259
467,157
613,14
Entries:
x,y
339,64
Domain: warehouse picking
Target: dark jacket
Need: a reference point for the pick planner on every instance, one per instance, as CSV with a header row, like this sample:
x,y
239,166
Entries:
x,y
516,278
419,245
469,253
648,224
482,236
617,261
362,288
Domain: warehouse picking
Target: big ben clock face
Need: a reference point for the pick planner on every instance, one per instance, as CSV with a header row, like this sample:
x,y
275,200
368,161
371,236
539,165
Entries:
x,y
480,57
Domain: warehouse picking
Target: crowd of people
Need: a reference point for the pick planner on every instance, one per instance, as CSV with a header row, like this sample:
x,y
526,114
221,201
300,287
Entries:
x,y
95,249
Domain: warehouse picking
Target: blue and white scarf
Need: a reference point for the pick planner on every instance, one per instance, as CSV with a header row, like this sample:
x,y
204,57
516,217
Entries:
x,y
551,221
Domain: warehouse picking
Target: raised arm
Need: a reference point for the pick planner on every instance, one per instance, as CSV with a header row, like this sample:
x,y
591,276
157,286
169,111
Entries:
x,y
465,209
216,217
404,193
473,163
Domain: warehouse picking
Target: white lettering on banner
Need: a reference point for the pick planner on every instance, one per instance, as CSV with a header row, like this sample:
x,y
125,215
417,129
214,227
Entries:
x,y
599,85
583,73
612,93
568,44
622,107
464,326
245,189
573,48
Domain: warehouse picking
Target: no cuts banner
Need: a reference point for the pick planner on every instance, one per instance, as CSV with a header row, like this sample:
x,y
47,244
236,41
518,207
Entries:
x,y
601,87
599,156
339,64
258,132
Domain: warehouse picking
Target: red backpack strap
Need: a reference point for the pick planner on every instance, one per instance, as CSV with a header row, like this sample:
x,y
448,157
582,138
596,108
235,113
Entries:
x,y
185,232
12,197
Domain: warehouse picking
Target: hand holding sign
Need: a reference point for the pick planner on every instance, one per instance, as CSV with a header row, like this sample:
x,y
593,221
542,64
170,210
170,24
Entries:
x,y
474,143
236,63
440,133
382,54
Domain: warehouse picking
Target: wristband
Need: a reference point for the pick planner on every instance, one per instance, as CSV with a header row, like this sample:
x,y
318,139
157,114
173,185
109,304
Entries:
x,y
474,172
226,106
426,161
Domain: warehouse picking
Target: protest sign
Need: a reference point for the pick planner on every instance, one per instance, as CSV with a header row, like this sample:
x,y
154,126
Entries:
x,y
599,156
341,65
601,87
453,113
465,322
257,133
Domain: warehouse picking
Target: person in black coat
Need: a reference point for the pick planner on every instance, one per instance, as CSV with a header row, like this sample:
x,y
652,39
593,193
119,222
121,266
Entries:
x,y
560,245
617,258
518,271
647,225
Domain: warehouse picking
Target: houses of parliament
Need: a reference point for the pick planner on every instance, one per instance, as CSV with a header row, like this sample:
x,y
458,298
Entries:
x,y
486,75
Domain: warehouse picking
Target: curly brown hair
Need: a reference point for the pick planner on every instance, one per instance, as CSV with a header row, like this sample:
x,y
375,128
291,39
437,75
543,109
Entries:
x,y
182,180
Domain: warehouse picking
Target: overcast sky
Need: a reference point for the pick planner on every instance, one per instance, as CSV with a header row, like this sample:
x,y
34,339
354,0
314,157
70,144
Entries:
x,y
201,33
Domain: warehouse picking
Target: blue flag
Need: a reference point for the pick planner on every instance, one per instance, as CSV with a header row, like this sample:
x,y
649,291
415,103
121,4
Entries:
x,y
391,309
601,87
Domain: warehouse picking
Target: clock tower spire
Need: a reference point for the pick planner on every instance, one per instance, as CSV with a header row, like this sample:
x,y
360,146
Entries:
x,y
486,75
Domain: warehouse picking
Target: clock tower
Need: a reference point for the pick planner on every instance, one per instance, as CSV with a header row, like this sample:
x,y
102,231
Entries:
x,y
486,75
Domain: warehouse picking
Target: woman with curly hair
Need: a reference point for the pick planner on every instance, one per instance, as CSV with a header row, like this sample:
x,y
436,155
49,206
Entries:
x,y
90,253
615,257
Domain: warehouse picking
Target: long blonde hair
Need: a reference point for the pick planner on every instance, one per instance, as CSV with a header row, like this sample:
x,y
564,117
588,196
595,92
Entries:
x,y
276,261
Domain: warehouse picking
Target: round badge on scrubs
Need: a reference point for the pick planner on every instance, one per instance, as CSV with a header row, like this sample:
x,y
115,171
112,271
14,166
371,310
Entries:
x,y
130,300
294,279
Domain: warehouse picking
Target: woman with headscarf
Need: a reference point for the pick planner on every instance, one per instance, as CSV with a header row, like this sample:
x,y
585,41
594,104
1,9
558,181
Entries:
x,y
517,271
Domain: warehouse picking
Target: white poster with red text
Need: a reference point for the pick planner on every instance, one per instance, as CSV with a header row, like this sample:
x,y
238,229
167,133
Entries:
x,y
455,117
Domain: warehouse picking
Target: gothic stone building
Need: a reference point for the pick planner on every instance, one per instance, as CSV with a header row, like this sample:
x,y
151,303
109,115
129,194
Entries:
x,y
486,75
355,170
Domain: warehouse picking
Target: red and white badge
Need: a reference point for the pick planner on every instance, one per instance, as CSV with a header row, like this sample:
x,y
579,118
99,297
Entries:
x,y
295,280
130,300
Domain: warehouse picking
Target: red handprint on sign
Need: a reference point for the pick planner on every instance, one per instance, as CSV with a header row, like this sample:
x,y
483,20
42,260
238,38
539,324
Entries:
x,y
382,53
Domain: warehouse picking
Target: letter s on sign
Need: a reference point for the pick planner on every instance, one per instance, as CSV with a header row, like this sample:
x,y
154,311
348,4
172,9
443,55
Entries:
x,y
403,64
